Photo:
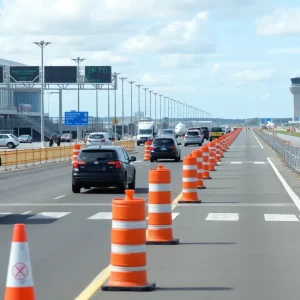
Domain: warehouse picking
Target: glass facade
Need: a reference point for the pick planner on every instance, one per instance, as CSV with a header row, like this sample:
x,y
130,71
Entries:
x,y
19,100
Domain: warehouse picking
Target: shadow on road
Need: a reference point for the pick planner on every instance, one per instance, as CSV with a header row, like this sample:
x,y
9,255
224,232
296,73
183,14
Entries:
x,y
207,243
24,219
195,288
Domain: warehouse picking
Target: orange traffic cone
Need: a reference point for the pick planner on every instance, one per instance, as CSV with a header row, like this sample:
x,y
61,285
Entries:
x,y
19,282
147,151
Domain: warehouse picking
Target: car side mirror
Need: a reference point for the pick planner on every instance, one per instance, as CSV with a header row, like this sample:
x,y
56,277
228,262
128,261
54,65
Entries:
x,y
179,144
132,158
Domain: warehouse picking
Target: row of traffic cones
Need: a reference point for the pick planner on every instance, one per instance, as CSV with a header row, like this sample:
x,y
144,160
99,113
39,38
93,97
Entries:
x,y
128,249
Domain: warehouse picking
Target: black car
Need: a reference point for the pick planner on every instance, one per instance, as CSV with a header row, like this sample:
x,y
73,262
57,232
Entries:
x,y
165,147
103,166
205,131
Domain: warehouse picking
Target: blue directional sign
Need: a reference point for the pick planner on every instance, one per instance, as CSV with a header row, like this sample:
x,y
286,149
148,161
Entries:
x,y
297,119
76,118
265,120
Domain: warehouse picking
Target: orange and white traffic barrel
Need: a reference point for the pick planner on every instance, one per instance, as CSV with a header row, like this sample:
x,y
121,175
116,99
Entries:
x,y
19,281
199,157
128,257
218,150
189,181
212,156
147,150
160,230
205,163
76,151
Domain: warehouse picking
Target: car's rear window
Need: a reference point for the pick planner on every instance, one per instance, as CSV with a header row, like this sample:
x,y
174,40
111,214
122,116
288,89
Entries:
x,y
93,155
168,131
217,129
204,128
163,142
96,136
192,133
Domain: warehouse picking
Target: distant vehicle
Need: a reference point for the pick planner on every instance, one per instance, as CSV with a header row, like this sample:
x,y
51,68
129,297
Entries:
x,y
215,133
25,138
166,132
104,166
193,137
66,137
165,147
98,139
180,129
146,132
205,131
197,128
9,140
208,124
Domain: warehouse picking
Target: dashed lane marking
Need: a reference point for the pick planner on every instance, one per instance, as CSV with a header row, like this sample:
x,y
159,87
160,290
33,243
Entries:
x,y
108,216
222,217
49,215
59,197
280,218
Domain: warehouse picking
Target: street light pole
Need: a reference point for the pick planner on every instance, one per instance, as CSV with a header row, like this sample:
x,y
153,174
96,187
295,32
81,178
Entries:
x,y
160,107
116,84
123,121
145,89
131,83
42,45
139,100
78,60
150,92
155,108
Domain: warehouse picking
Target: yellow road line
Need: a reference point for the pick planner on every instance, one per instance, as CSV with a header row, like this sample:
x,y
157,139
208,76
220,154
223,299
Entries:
x,y
103,276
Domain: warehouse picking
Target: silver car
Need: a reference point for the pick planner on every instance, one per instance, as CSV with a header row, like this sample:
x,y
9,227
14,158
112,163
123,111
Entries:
x,y
166,132
9,140
98,138
25,138
193,137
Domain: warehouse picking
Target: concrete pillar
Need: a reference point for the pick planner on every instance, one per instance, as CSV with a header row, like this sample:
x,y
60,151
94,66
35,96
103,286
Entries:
x,y
60,113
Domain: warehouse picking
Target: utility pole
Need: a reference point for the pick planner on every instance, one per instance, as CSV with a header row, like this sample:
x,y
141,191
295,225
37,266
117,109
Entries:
x,y
145,89
139,100
150,92
155,108
131,83
123,121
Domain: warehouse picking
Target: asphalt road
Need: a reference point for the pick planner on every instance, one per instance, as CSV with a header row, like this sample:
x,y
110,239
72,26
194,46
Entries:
x,y
227,248
289,138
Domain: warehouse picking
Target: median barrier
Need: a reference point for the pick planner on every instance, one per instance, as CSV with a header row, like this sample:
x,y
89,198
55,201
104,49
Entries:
x,y
160,230
199,156
19,281
128,259
205,163
212,156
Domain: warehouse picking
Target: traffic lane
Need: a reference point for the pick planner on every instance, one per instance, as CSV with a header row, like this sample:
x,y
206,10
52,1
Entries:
x,y
65,254
38,184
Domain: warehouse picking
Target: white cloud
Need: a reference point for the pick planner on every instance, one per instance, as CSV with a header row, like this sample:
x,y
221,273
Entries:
x,y
253,75
266,96
157,79
281,22
181,61
215,70
176,37
285,51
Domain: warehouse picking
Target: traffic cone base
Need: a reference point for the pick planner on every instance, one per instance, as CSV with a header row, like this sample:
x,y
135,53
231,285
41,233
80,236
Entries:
x,y
172,242
208,178
114,288
201,188
188,201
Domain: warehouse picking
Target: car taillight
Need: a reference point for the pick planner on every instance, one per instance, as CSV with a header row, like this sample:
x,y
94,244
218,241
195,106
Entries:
x,y
152,147
198,136
150,140
89,140
103,140
76,163
117,164
173,148
185,137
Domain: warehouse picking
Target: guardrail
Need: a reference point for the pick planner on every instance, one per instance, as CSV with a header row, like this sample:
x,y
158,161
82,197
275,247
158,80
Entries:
x,y
289,153
40,156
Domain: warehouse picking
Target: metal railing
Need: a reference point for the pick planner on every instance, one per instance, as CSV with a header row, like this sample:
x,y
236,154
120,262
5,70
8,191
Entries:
x,y
289,153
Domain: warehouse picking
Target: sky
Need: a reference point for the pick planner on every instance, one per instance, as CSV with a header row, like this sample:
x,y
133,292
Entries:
x,y
231,58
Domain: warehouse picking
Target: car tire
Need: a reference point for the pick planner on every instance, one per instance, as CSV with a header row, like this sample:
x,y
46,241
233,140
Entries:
x,y
122,186
185,145
131,185
76,189
200,145
10,146
151,159
138,144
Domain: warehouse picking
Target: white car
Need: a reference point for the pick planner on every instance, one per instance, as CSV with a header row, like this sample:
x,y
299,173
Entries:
x,y
193,137
9,140
98,138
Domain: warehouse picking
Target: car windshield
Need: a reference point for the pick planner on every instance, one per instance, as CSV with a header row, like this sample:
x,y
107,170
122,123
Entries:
x,y
96,136
94,155
65,135
163,142
145,131
193,133
216,129
23,136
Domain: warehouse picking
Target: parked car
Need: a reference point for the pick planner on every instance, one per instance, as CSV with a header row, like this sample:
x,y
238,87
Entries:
x,y
9,140
215,133
103,166
193,137
99,138
66,137
165,147
25,138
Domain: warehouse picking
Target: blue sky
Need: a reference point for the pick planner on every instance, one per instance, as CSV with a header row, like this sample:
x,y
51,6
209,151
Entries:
x,y
232,58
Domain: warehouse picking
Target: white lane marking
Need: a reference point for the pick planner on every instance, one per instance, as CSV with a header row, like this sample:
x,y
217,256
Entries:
x,y
288,189
280,218
62,196
258,140
236,162
259,163
49,215
2,215
138,161
222,217
174,215
26,212
101,216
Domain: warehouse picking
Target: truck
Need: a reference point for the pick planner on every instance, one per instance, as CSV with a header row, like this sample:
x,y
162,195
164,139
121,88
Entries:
x,y
146,131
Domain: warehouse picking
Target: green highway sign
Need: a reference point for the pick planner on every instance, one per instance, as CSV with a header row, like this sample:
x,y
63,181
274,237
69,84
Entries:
x,y
98,74
1,74
24,74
